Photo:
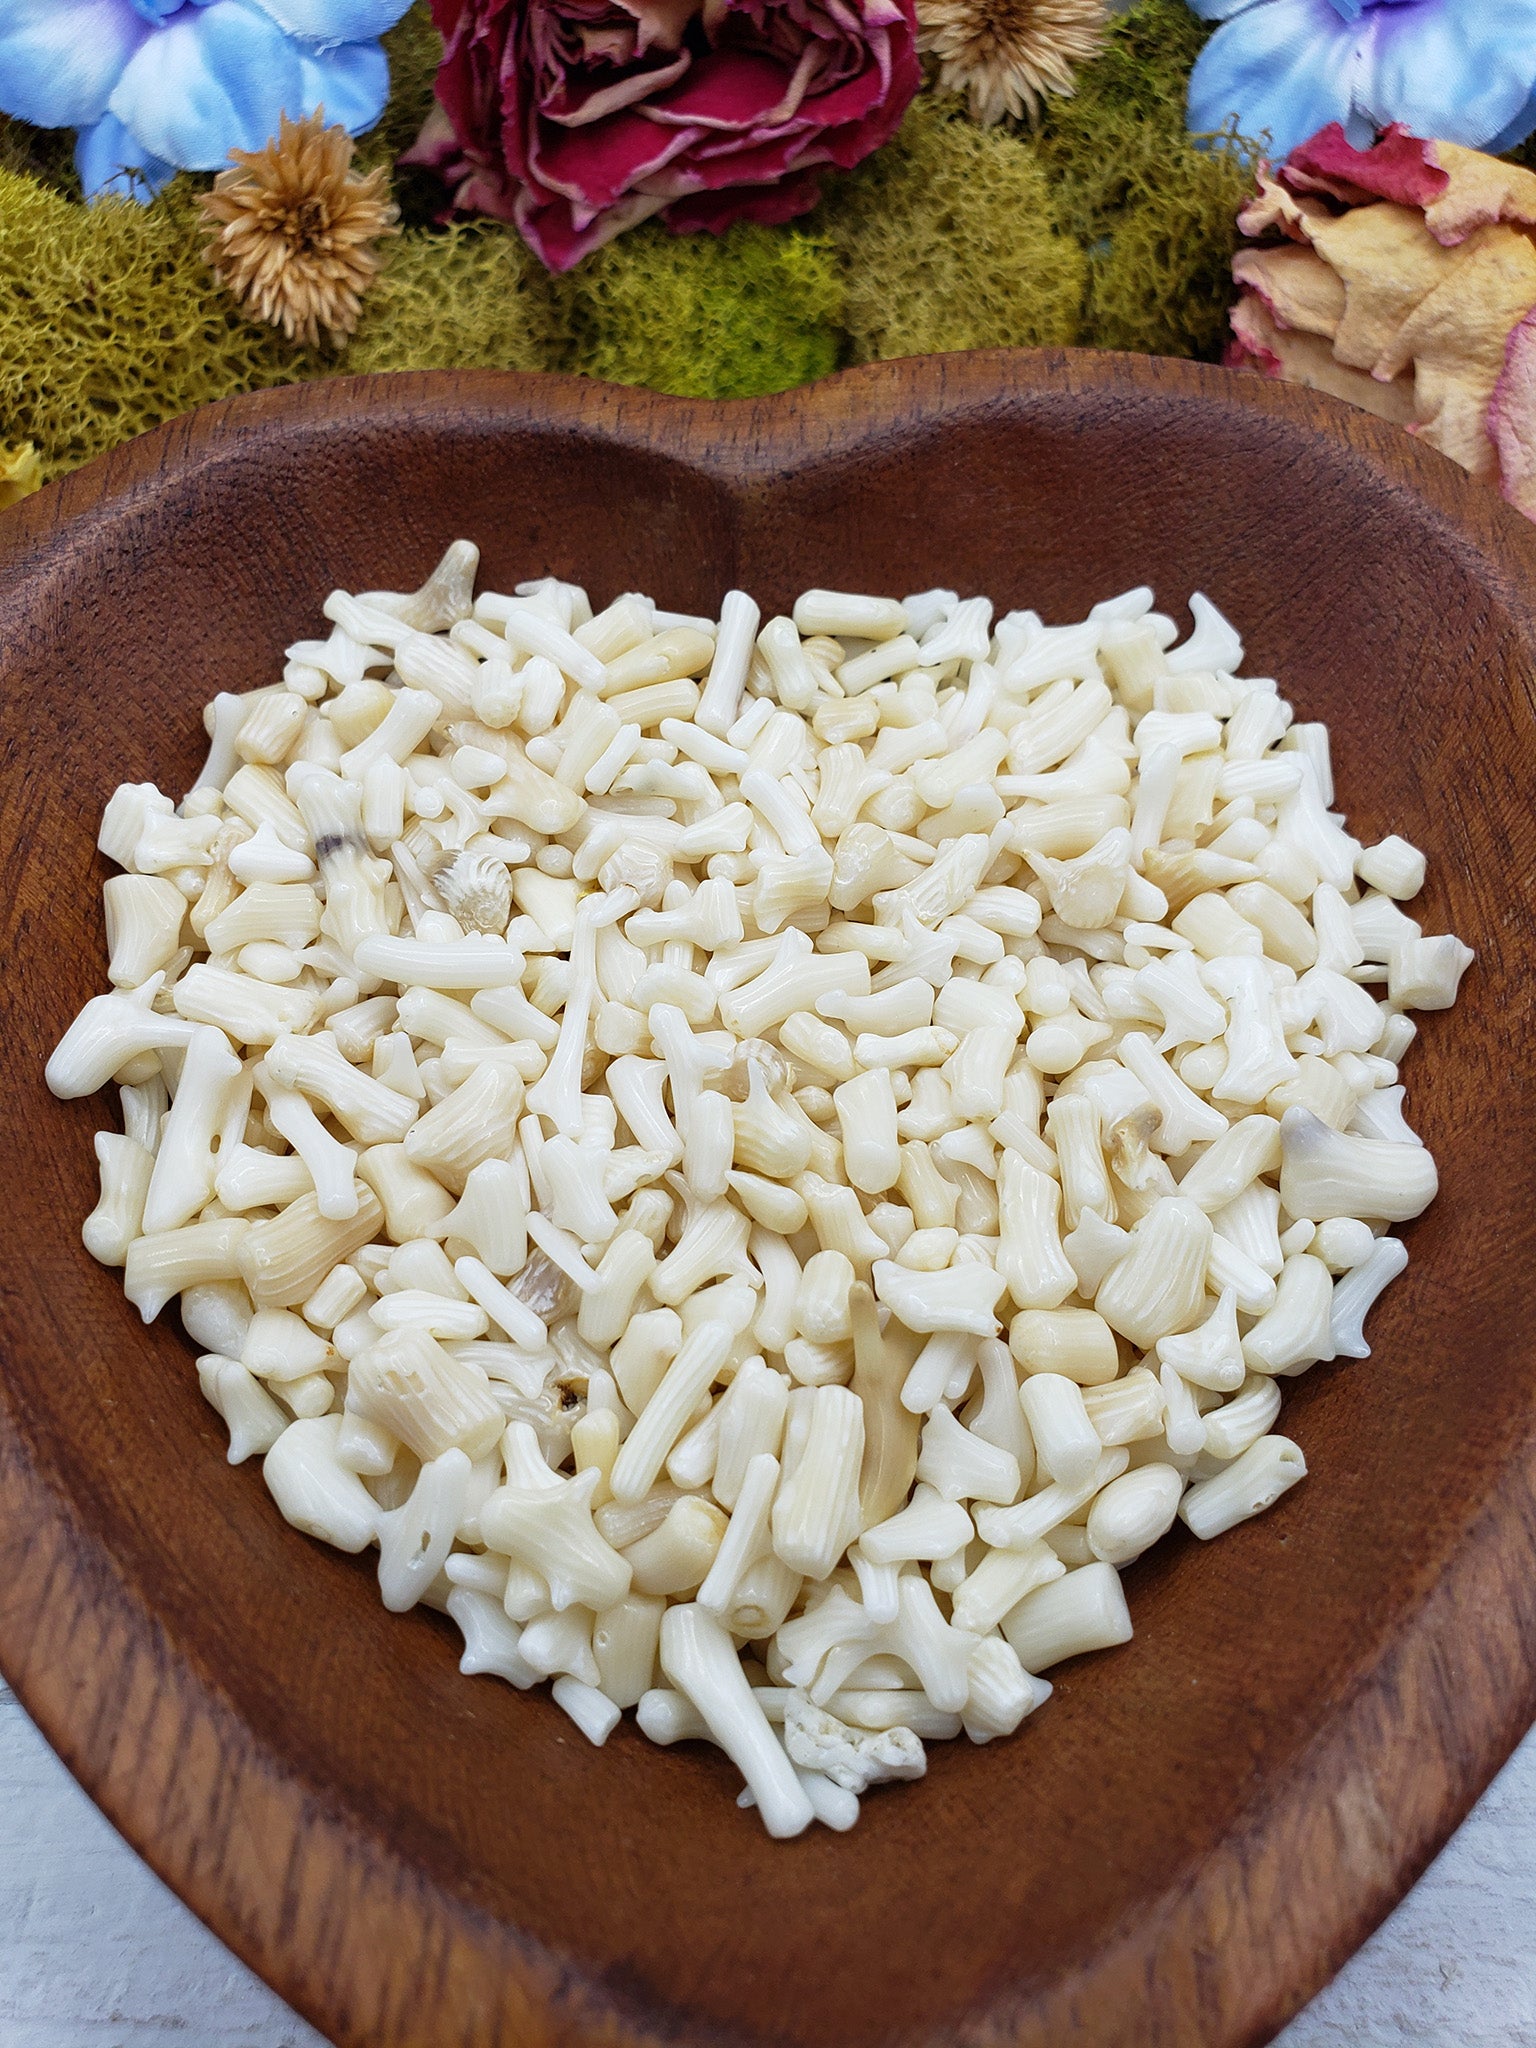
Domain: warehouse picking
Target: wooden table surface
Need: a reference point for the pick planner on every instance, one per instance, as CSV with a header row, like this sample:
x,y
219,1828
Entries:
x,y
96,1953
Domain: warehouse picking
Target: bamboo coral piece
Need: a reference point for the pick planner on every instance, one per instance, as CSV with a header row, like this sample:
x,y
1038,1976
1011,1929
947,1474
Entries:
x,y
293,230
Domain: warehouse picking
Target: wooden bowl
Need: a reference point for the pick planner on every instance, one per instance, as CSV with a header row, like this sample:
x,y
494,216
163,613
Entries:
x,y
1201,1825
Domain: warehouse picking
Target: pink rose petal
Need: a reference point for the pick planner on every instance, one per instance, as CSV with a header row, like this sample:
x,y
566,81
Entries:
x,y
1399,166
578,118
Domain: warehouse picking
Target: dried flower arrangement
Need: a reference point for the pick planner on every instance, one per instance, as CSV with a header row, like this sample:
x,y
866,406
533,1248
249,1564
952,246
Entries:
x,y
713,197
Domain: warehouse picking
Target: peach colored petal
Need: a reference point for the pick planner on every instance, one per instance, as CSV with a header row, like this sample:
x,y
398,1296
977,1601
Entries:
x,y
1466,319
1512,418
1307,359
1387,262
1481,190
1455,340
1249,347
1275,210
1452,415
1298,288
1419,267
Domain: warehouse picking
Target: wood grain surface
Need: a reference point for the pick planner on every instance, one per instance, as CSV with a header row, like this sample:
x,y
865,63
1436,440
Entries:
x,y
95,1952
1203,1823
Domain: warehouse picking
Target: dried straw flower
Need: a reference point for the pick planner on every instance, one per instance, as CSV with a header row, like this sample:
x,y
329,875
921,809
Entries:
x,y
1007,54
21,472
294,228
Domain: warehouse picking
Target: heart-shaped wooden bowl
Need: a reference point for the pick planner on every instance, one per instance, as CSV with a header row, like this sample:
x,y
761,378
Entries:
x,y
1200,1826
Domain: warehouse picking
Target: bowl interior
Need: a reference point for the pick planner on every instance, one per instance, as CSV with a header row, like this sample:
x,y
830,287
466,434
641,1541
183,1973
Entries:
x,y
627,1894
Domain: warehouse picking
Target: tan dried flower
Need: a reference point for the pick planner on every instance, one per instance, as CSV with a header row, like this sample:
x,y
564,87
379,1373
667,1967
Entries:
x,y
21,472
1007,54
293,230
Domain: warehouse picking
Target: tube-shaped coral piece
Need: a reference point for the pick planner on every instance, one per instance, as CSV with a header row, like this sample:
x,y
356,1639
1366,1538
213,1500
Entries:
x,y
1297,1330
416,1537
1017,1527
1029,1255
283,1260
816,1511
700,1659
747,1536
1249,1485
372,1113
962,1297
1084,1611
1186,1119
1157,1286
690,1375
314,1491
551,1530
959,1465
999,1582
161,1265
118,1217
1329,1173
109,1033
423,1394
1356,1294
928,1527
332,1166
1133,1512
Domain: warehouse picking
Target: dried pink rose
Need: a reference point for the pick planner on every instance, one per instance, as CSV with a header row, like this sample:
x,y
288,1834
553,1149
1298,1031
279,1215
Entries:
x,y
1403,278
575,119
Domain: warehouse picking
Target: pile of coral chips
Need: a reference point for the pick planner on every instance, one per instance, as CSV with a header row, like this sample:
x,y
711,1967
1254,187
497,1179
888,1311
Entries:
x,y
759,1162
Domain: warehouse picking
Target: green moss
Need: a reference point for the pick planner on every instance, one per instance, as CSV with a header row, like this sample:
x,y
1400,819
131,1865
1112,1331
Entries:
x,y
110,321
1164,282
706,316
950,238
1156,210
1139,79
467,298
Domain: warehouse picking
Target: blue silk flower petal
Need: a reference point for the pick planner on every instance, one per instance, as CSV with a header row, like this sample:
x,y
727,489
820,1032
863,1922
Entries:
x,y
1510,136
60,59
351,82
1461,70
1221,10
1282,67
215,78
112,164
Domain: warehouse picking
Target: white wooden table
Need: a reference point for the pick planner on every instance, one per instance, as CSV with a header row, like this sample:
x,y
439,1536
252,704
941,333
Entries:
x,y
96,1953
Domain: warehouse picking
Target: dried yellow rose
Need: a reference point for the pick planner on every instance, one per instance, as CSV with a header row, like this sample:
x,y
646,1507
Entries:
x,y
21,472
1402,278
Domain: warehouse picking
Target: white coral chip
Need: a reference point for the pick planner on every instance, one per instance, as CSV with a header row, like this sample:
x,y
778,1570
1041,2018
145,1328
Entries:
x,y
854,1758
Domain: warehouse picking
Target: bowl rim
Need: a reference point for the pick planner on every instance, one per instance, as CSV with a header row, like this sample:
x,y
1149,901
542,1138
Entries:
x,y
1386,1778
